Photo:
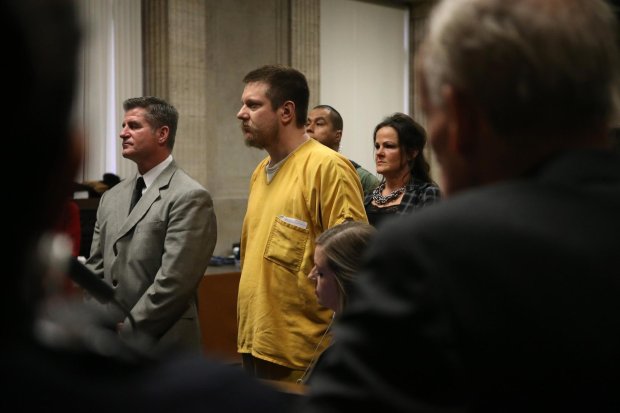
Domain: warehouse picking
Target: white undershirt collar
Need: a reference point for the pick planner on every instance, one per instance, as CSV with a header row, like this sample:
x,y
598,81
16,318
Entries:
x,y
154,172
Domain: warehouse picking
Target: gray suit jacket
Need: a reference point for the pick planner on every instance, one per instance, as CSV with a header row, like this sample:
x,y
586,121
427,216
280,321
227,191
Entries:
x,y
156,256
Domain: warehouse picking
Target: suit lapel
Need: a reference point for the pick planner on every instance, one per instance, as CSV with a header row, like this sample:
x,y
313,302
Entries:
x,y
148,198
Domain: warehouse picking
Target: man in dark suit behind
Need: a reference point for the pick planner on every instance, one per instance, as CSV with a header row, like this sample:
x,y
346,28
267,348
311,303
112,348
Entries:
x,y
506,296
46,365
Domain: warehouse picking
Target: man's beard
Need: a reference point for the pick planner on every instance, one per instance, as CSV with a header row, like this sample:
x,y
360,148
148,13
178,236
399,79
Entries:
x,y
258,139
252,142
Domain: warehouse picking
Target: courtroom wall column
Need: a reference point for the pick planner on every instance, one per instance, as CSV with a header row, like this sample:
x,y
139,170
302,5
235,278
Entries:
x,y
305,43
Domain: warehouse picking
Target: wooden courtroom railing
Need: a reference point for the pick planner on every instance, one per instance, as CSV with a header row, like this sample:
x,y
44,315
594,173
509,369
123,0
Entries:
x,y
217,308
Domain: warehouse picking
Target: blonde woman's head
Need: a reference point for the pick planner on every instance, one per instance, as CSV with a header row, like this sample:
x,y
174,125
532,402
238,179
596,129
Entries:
x,y
337,260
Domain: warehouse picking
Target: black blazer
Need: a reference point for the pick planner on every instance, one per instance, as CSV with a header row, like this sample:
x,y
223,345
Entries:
x,y
505,298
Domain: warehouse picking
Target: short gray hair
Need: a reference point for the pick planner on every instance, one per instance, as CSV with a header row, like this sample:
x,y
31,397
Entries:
x,y
530,65
158,113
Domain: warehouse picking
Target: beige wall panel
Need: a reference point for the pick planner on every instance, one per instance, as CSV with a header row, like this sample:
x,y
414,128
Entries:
x,y
240,36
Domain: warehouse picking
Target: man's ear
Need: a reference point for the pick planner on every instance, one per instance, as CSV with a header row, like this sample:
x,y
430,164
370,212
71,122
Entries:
x,y
338,137
464,122
162,135
287,112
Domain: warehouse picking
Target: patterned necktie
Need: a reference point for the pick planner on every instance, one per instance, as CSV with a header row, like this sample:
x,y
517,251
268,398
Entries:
x,y
137,193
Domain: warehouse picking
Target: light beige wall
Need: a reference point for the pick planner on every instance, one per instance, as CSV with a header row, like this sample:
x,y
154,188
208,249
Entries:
x,y
364,69
367,60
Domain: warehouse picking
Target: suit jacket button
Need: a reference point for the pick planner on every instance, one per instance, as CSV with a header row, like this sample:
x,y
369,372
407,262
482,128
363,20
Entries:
x,y
114,283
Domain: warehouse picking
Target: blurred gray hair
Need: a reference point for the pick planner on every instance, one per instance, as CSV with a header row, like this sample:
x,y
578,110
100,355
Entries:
x,y
530,65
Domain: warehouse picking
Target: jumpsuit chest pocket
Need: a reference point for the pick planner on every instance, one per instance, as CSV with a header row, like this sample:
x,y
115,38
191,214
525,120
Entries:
x,y
286,244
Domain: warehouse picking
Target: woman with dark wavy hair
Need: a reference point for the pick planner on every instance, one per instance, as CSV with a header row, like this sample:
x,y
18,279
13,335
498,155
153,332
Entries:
x,y
399,155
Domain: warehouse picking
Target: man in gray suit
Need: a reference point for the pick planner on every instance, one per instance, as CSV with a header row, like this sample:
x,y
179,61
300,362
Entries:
x,y
155,253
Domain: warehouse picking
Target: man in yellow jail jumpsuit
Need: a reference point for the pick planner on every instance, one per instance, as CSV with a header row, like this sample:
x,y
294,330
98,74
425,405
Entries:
x,y
297,192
